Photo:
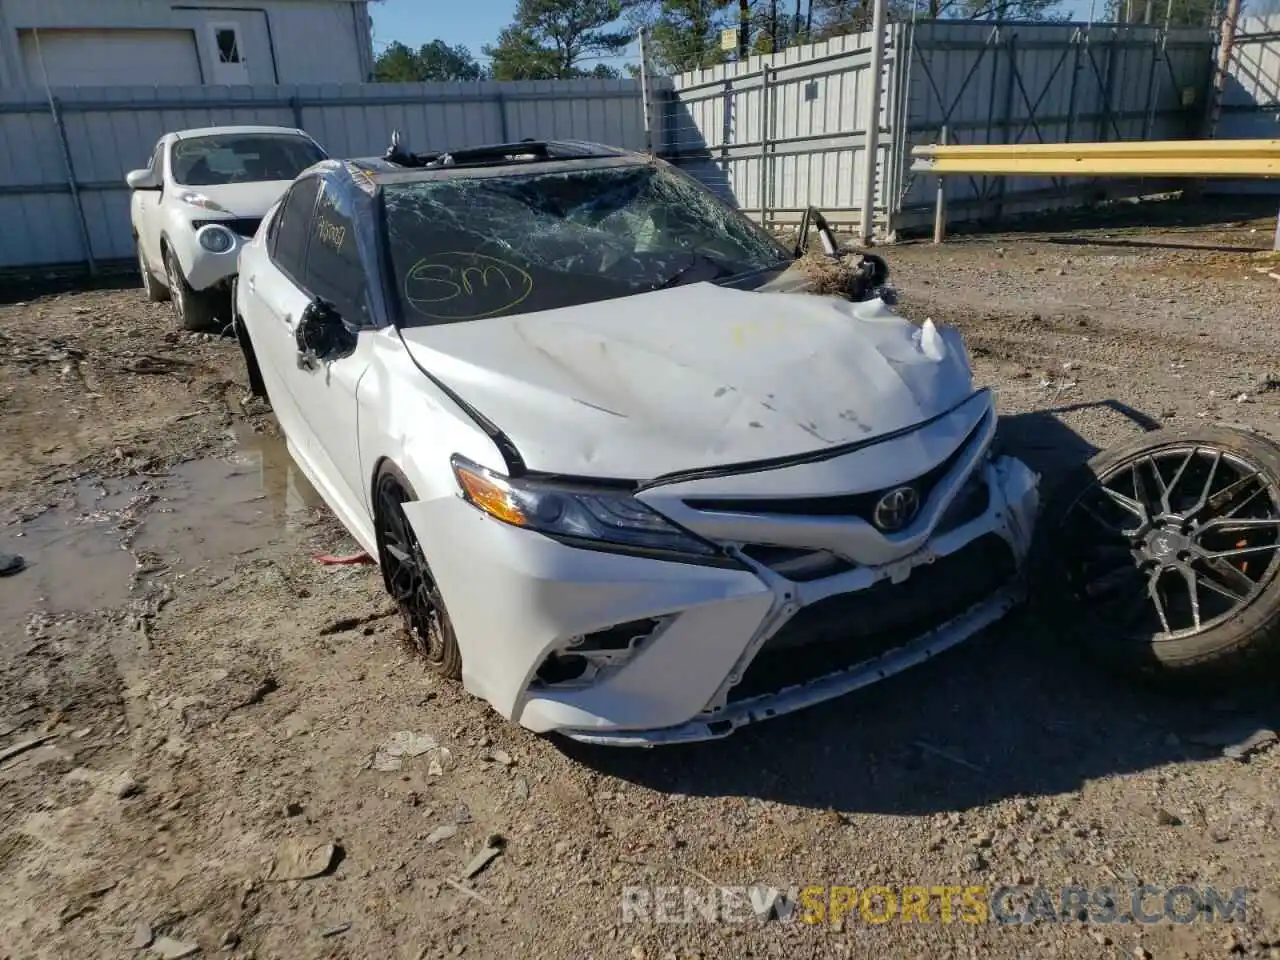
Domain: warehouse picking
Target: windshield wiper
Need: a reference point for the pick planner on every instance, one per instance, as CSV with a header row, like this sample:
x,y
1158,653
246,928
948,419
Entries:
x,y
675,278
780,266
687,269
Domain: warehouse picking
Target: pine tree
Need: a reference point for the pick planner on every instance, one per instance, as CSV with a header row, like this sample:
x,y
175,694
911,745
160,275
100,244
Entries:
x,y
549,39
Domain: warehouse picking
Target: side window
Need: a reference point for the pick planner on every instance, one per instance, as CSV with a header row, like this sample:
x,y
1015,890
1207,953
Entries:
x,y
334,268
291,229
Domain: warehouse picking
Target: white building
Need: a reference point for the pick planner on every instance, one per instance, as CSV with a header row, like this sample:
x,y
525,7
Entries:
x,y
183,42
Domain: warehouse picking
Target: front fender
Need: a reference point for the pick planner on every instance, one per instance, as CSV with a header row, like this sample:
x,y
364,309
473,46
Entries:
x,y
200,268
405,419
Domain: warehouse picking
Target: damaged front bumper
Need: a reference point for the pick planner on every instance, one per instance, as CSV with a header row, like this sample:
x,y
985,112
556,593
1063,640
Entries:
x,y
681,652
965,550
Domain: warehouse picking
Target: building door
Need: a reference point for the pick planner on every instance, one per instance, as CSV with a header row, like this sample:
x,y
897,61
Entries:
x,y
230,67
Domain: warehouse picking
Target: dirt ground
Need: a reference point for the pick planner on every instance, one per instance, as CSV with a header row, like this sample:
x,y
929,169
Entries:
x,y
210,699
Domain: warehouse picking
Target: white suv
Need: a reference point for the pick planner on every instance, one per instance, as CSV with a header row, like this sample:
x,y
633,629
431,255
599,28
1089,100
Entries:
x,y
201,196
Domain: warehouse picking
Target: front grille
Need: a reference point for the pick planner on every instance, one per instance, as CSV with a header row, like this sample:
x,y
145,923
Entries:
x,y
851,628
243,226
860,505
800,566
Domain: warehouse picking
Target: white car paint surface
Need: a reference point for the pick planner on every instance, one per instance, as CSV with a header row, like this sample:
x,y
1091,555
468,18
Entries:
x,y
743,376
696,478
172,194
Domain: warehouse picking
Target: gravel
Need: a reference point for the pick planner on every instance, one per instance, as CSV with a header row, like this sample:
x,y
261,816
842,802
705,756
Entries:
x,y
214,699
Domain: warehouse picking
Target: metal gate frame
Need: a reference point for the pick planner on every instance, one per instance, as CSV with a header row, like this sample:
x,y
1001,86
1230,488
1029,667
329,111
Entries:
x,y
1007,80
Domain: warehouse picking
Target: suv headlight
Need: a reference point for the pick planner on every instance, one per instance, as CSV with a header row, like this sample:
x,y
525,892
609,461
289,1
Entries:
x,y
587,517
200,200
215,239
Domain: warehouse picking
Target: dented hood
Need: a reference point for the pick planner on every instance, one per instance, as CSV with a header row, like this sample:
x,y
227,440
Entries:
x,y
695,376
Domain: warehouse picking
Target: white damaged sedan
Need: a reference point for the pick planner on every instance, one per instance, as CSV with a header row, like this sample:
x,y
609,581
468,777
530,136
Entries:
x,y
627,474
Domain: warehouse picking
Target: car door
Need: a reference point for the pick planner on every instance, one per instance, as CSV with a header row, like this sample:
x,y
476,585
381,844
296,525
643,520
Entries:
x,y
146,204
272,301
323,395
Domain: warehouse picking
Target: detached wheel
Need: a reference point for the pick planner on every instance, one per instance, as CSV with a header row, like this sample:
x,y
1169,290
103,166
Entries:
x,y
408,578
194,309
155,292
1160,557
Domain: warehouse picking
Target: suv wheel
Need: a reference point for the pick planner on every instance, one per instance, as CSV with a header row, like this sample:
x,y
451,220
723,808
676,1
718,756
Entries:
x,y
195,309
155,292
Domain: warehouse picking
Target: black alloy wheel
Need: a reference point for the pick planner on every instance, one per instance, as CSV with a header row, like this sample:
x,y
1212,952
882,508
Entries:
x,y
1161,555
409,581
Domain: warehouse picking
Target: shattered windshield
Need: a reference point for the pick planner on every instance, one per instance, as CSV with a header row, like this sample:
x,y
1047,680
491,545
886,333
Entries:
x,y
466,248
241,158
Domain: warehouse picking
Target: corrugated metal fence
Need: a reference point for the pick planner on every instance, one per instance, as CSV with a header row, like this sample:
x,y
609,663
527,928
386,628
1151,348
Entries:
x,y
102,133
774,134
1251,98
780,133
784,132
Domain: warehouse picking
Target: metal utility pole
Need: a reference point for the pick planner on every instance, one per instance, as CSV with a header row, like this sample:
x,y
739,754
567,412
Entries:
x,y
744,29
871,110
1226,42
644,92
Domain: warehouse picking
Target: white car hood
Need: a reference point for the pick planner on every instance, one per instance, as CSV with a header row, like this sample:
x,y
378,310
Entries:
x,y
242,199
696,376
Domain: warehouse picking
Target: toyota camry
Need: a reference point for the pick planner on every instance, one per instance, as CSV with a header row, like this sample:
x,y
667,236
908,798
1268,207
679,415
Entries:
x,y
633,472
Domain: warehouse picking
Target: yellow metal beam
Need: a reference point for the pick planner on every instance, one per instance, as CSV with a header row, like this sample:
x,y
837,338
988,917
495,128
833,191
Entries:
x,y
1158,158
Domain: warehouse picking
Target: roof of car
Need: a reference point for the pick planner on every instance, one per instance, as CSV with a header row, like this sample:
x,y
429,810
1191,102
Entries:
x,y
215,131
399,165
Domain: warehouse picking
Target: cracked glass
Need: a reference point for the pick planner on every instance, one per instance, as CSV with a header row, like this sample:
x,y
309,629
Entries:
x,y
472,247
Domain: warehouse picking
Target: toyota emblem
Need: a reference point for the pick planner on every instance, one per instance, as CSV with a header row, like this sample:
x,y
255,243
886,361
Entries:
x,y
896,509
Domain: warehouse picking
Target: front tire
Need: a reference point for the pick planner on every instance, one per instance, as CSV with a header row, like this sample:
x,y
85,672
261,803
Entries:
x,y
408,578
1159,558
195,309
154,292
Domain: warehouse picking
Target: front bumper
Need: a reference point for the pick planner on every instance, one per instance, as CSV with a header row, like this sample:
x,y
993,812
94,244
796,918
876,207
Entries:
x,y
203,268
516,597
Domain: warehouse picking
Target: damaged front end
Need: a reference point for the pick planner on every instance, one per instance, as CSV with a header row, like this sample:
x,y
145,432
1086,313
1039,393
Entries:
x,y
856,591
818,506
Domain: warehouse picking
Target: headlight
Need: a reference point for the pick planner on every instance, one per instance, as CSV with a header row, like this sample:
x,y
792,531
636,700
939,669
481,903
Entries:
x,y
216,239
585,517
199,200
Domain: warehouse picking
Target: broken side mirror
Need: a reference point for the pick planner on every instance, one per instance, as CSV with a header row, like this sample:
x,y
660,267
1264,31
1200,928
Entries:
x,y
875,270
322,335
813,218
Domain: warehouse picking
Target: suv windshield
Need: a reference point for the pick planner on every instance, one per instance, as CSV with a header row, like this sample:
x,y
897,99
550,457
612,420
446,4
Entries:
x,y
241,158
469,247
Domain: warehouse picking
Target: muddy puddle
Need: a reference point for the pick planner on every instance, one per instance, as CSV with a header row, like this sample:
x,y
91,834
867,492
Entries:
x,y
92,550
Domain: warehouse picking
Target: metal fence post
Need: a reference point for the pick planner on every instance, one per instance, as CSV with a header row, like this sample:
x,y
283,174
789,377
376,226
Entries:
x,y
940,201
502,117
994,40
67,162
1226,41
764,144
81,219
644,93
1078,40
871,165
1012,57
1108,86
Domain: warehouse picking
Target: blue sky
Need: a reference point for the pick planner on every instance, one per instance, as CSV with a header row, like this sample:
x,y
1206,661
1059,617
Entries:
x,y
474,23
